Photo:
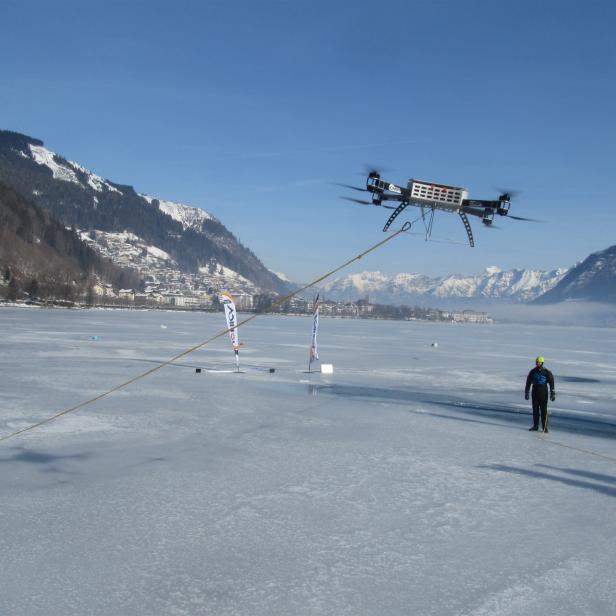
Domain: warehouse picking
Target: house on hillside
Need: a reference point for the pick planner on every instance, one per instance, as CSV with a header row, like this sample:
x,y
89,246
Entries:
x,y
127,294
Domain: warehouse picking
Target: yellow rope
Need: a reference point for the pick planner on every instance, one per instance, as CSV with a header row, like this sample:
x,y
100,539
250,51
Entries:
x,y
558,444
587,451
278,302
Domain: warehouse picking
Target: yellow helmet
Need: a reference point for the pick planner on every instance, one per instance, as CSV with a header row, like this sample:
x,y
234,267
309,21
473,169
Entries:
x,y
539,360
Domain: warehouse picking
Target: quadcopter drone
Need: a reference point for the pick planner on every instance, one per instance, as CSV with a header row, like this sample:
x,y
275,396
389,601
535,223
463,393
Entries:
x,y
431,197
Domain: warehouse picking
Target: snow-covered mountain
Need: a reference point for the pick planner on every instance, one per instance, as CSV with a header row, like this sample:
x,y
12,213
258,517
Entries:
x,y
65,170
191,237
594,279
453,290
160,270
189,217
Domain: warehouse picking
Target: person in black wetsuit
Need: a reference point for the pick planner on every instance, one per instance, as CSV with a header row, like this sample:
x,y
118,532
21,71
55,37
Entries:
x,y
540,378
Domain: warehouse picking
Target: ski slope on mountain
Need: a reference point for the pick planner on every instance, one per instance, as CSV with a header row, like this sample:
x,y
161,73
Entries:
x,y
404,483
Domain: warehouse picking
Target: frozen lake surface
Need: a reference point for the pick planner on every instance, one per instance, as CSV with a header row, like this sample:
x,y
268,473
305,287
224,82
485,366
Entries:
x,y
404,483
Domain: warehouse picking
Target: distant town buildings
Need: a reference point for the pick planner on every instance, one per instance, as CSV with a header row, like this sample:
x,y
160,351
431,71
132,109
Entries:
x,y
155,295
167,286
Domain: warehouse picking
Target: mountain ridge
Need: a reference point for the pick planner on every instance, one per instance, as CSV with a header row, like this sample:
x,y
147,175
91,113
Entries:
x,y
78,197
493,284
593,279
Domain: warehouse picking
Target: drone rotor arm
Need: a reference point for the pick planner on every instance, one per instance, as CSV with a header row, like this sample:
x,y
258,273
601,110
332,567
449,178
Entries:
x,y
472,211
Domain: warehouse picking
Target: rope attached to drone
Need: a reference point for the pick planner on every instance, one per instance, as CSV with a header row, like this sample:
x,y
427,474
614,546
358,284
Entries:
x,y
586,451
405,227
558,444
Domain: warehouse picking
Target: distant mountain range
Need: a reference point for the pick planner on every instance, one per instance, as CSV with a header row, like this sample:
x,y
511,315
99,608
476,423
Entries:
x,y
79,198
447,291
594,279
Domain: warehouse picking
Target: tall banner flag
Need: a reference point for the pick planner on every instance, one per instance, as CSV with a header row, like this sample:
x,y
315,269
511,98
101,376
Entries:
x,y
231,315
314,353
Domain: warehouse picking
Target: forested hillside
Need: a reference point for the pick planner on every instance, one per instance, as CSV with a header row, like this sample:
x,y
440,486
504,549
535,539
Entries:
x,y
41,258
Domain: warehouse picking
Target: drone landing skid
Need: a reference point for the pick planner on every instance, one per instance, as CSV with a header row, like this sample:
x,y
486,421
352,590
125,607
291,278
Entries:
x,y
394,215
403,205
467,226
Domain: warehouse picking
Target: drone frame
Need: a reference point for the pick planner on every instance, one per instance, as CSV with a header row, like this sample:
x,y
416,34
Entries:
x,y
432,197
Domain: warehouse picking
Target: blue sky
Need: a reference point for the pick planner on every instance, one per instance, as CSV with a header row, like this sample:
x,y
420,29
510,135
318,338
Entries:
x,y
252,109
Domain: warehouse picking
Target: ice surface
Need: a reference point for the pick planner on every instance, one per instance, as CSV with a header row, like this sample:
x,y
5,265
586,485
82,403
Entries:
x,y
404,483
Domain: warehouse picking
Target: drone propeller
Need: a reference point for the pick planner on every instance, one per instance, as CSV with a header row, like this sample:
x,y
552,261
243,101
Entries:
x,y
351,187
507,194
526,219
373,170
360,201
